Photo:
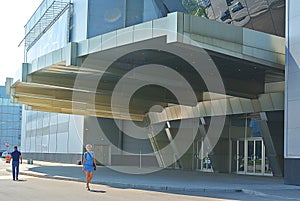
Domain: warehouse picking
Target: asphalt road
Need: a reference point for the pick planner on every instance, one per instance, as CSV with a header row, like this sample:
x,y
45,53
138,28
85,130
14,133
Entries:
x,y
36,189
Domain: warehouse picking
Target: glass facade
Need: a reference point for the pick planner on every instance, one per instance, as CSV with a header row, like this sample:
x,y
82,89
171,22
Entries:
x,y
262,15
52,132
10,122
100,17
45,132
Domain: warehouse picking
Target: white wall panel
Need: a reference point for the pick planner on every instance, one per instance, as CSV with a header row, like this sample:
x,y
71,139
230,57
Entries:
x,y
52,132
62,145
52,143
292,105
75,142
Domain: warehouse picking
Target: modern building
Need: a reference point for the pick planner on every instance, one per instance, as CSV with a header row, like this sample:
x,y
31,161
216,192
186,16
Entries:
x,y
10,121
194,85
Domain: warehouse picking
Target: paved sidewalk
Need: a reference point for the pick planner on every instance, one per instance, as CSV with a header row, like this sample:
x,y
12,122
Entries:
x,y
168,180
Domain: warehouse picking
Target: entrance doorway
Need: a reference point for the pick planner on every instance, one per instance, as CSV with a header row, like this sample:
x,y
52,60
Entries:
x,y
251,157
203,162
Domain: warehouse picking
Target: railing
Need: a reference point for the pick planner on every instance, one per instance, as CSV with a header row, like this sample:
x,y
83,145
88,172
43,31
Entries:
x,y
37,15
43,18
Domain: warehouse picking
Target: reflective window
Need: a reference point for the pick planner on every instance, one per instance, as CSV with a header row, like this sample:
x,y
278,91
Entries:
x,y
10,121
261,15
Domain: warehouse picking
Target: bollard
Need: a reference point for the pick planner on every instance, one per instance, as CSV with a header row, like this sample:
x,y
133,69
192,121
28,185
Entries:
x,y
7,159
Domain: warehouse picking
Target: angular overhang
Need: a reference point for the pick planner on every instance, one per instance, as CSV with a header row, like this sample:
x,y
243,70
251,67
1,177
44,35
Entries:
x,y
82,77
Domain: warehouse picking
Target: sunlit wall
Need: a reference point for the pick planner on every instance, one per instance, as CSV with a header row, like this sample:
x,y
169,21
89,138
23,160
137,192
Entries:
x,y
292,101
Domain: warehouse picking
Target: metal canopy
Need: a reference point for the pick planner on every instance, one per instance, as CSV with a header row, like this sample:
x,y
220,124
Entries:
x,y
81,78
53,88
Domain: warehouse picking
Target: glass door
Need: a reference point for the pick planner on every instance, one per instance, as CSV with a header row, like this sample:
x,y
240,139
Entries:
x,y
203,161
255,159
251,157
240,156
258,160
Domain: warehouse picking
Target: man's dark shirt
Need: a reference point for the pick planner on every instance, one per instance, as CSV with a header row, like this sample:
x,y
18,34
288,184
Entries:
x,y
15,155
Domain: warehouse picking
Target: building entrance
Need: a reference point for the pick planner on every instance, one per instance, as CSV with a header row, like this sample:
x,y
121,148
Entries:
x,y
251,157
203,161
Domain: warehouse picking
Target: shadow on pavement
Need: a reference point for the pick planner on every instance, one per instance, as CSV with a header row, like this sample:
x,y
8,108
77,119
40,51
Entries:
x,y
98,191
63,171
21,180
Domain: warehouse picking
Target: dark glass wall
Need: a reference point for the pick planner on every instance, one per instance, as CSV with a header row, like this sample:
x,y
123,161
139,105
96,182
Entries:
x,y
107,16
262,15
10,122
94,17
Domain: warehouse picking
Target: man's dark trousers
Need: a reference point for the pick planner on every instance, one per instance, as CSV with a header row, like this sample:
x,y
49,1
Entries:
x,y
15,169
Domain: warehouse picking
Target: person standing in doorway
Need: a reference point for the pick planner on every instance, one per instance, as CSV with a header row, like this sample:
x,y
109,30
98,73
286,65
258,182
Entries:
x,y
89,165
16,160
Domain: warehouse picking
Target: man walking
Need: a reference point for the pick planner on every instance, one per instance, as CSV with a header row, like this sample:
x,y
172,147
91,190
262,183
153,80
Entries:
x,y
16,158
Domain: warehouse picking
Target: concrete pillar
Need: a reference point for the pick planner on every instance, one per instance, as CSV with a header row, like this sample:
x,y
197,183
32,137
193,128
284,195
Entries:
x,y
292,94
8,83
26,68
220,156
71,54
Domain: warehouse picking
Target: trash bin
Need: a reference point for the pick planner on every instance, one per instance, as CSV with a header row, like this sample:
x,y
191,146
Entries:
x,y
7,159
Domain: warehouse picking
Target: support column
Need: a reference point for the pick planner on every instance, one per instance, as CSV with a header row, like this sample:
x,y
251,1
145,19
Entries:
x,y
71,54
272,129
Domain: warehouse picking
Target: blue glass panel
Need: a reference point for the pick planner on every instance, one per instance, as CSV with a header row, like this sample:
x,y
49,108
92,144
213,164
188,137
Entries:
x,y
105,16
134,12
174,5
151,11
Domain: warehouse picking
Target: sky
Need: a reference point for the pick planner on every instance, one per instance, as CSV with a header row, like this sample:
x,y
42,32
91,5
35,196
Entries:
x,y
13,17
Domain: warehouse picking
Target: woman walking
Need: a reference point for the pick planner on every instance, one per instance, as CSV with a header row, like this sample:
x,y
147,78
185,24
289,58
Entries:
x,y
88,165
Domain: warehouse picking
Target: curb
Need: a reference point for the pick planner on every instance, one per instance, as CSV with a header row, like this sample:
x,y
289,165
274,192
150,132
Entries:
x,y
257,193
